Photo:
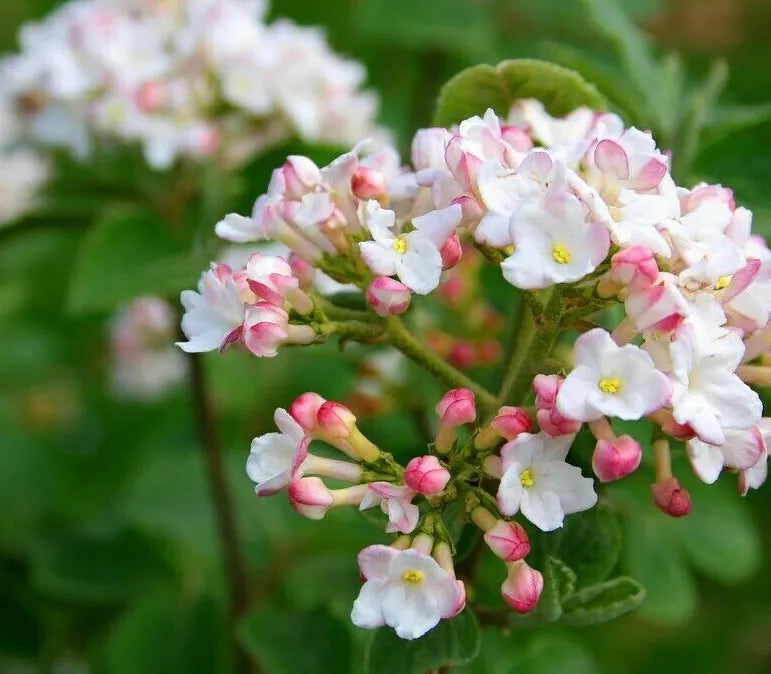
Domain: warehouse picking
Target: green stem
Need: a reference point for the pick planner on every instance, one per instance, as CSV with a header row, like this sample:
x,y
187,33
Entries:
x,y
534,343
362,332
411,347
339,313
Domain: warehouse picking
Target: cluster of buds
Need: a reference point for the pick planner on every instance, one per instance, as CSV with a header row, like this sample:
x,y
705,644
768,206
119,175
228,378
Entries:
x,y
536,482
583,218
188,78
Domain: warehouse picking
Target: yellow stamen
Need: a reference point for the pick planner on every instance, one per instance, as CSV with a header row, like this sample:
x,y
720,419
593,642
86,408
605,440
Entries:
x,y
611,385
526,478
509,250
722,282
561,254
400,245
413,576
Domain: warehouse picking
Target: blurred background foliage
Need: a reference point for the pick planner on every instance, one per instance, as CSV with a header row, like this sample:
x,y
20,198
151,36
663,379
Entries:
x,y
109,560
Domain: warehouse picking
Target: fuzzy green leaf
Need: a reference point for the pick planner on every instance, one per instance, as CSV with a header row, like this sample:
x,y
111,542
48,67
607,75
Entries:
x,y
602,602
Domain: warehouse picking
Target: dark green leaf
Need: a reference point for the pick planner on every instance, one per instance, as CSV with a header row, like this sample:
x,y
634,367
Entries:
x,y
452,642
306,642
475,89
590,545
126,254
602,602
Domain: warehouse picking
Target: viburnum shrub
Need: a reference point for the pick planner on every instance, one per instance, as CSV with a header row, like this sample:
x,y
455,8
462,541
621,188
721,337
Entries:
x,y
637,299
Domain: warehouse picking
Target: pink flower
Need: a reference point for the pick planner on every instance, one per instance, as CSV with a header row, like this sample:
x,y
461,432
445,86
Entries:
x,y
426,475
451,251
299,175
508,540
634,268
270,278
310,497
335,420
368,183
266,327
388,297
522,588
671,498
396,503
660,307
616,458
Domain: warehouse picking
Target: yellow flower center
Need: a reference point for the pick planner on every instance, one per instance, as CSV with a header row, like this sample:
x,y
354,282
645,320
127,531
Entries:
x,y
611,385
508,250
400,245
561,254
722,282
526,478
413,576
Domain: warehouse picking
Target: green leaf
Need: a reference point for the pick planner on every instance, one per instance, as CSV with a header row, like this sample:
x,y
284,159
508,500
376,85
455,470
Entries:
x,y
559,582
590,545
126,254
167,634
452,642
475,89
550,653
101,567
304,642
603,601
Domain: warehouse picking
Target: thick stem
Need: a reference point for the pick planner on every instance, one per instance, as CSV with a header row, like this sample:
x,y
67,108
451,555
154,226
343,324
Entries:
x,y
410,346
362,332
534,343
222,503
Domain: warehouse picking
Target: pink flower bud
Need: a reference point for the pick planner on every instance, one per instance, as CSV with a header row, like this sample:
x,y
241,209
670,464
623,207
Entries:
x,y
614,459
265,329
151,96
508,540
661,307
456,407
635,268
336,420
471,210
671,498
518,138
522,587
388,297
463,165
511,421
368,183
310,497
546,388
426,475
451,251
463,354
300,174
301,270
549,419
305,409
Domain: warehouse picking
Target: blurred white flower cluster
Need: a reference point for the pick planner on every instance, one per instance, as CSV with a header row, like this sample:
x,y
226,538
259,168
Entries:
x,y
145,363
22,171
183,78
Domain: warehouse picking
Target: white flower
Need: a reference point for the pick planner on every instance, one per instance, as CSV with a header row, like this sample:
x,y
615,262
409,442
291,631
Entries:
x,y
414,256
740,451
706,393
212,313
553,242
405,590
539,482
611,380
275,457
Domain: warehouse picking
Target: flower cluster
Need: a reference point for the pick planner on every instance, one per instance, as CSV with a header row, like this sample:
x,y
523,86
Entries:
x,y
185,78
145,364
22,171
667,287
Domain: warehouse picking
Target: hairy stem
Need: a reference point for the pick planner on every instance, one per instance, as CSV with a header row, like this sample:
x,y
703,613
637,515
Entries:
x,y
410,346
363,332
222,503
534,343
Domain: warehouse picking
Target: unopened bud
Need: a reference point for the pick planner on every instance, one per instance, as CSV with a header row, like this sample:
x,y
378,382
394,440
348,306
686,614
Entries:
x,y
451,251
305,409
614,459
671,498
388,297
635,268
368,183
522,588
508,540
426,475
300,175
310,497
511,421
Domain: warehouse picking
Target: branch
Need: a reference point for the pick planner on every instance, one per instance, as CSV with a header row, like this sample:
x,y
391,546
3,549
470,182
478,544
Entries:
x,y
222,503
410,346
